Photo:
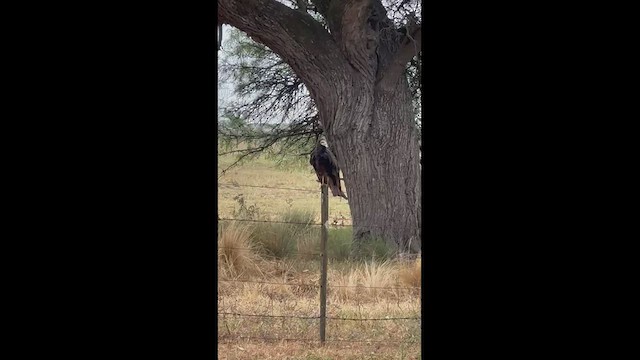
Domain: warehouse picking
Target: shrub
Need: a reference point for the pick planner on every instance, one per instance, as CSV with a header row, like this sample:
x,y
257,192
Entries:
x,y
372,248
274,239
281,240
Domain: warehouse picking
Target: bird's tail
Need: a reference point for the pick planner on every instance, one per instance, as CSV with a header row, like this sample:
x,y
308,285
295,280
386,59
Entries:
x,y
336,190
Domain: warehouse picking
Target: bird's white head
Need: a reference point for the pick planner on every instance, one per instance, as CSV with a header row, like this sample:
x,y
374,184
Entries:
x,y
323,141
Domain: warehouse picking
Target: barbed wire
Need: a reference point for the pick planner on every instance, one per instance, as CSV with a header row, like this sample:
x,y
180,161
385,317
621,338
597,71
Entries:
x,y
318,317
332,222
299,223
268,187
375,287
270,283
272,316
271,221
313,340
328,286
375,341
375,319
264,338
258,249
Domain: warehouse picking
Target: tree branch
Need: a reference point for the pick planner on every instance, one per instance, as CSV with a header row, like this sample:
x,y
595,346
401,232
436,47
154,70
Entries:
x,y
295,36
412,45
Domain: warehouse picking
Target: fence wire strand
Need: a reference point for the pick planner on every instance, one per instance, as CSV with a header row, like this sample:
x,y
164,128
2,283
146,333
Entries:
x,y
298,223
270,283
375,287
374,319
233,338
318,317
271,221
375,341
272,316
313,340
267,187
250,249
328,286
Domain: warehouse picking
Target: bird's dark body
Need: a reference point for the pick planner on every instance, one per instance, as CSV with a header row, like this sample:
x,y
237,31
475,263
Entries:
x,y
326,167
321,162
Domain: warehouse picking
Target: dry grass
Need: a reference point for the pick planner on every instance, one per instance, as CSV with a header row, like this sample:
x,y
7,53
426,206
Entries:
x,y
349,295
244,337
237,255
376,275
345,286
374,280
412,274
288,350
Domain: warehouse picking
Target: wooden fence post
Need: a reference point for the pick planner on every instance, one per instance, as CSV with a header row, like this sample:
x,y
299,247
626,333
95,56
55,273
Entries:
x,y
323,250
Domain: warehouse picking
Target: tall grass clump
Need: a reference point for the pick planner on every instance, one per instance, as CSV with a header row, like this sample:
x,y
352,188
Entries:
x,y
237,255
372,248
303,218
346,284
280,240
376,274
363,282
309,245
340,246
411,275
339,243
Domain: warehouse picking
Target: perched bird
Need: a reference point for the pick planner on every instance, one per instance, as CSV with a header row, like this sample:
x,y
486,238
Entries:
x,y
326,167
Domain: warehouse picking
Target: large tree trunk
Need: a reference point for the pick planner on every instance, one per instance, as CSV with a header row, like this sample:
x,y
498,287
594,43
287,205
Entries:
x,y
355,74
381,168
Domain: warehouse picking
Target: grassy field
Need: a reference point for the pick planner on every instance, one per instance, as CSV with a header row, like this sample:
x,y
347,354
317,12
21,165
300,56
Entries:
x,y
273,202
252,256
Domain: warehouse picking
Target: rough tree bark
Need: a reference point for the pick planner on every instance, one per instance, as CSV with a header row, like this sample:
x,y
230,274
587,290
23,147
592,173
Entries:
x,y
355,74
